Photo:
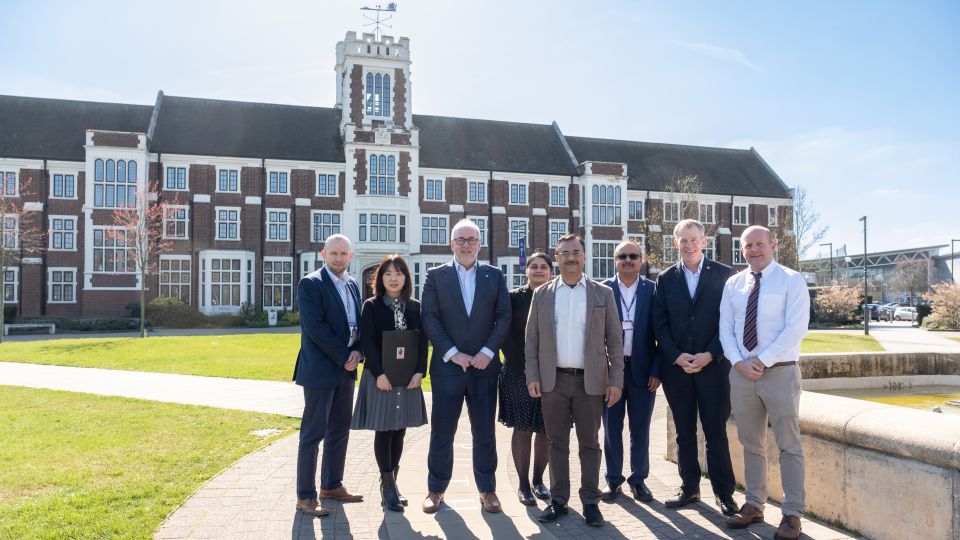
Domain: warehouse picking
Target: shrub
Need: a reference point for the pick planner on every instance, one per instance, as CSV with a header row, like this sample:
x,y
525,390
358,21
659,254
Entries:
x,y
100,324
923,311
837,305
173,313
251,315
133,308
945,306
9,314
290,318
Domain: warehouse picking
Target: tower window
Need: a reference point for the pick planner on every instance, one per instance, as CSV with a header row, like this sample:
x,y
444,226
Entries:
x,y
378,94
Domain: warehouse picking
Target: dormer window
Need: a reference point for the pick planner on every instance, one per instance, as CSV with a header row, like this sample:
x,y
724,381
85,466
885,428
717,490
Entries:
x,y
378,94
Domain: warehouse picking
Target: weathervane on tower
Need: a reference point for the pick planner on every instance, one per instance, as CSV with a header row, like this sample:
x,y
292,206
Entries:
x,y
376,21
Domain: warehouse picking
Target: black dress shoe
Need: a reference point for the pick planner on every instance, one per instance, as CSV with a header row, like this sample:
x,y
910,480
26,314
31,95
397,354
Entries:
x,y
541,491
592,515
552,512
641,493
727,505
526,498
683,498
609,494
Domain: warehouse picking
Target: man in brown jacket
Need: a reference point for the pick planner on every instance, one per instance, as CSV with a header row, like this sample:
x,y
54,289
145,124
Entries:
x,y
574,354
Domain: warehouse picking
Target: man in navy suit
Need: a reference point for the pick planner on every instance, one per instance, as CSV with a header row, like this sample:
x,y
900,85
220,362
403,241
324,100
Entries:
x,y
641,377
686,318
329,301
466,314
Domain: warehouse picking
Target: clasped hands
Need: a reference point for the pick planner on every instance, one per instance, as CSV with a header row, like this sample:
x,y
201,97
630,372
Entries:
x,y
751,368
465,361
693,363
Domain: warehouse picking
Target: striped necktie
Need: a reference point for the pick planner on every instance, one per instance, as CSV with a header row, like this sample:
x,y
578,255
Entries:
x,y
750,322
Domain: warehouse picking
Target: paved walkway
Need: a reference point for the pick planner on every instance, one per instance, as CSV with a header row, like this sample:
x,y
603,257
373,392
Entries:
x,y
254,497
904,337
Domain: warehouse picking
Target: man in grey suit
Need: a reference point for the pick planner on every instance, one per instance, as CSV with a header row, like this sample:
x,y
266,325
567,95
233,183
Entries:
x,y
466,314
574,356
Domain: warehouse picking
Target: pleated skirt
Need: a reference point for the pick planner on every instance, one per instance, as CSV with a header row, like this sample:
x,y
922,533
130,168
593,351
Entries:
x,y
387,411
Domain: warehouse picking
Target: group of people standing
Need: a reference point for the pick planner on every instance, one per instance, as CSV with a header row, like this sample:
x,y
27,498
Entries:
x,y
577,354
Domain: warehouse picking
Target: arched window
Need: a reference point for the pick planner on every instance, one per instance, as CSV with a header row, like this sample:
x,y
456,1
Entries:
x,y
377,94
391,165
98,170
369,93
132,172
121,172
386,96
373,164
111,170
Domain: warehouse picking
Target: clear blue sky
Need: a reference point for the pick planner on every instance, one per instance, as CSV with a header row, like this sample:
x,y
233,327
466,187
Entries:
x,y
859,102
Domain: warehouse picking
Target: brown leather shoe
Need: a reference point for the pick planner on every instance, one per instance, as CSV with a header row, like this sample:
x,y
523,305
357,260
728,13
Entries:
x,y
789,528
311,507
340,494
748,514
490,502
432,503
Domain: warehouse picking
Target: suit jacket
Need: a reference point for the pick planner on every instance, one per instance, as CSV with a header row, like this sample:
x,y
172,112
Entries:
x,y
376,317
324,331
447,323
602,346
513,346
644,358
685,325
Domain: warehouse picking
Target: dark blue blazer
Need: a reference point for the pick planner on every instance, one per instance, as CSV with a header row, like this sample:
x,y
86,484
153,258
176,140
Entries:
x,y
447,323
644,360
685,325
324,331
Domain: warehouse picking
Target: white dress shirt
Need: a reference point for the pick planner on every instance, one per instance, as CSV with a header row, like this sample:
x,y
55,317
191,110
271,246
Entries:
x,y
783,314
570,322
468,289
628,308
343,286
693,278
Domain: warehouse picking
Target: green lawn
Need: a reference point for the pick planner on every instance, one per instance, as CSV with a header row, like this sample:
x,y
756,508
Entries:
x,y
240,356
825,342
84,466
955,338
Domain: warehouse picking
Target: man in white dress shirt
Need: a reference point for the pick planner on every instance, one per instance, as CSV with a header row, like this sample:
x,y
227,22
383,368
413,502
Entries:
x,y
764,315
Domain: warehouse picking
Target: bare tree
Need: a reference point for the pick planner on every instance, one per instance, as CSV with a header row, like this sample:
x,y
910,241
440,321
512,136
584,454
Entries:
x,y
807,228
686,190
140,229
19,236
910,277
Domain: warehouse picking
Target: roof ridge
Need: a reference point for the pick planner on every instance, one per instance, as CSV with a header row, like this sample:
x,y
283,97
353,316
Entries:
x,y
485,120
62,100
191,98
672,145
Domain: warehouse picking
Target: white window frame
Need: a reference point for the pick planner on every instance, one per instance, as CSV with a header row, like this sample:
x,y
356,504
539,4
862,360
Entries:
x,y
643,209
669,249
481,186
186,221
247,281
707,213
52,232
51,284
710,248
283,225
365,227
436,182
443,232
4,175
313,224
562,193
746,214
484,224
336,184
526,231
64,174
389,99
558,234
522,188
15,270
217,222
772,218
419,270
228,170
738,258
394,178
130,261
289,286
606,262
186,177
641,240
170,284
676,217
611,209
12,232
278,172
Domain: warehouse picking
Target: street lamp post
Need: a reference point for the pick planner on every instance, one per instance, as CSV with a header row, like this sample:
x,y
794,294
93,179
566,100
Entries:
x,y
866,308
831,259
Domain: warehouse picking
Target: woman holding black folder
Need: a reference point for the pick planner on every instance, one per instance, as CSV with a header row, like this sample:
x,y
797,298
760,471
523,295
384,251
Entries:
x,y
389,406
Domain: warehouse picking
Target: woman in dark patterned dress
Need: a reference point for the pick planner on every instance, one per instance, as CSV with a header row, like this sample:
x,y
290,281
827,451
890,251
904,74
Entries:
x,y
517,409
382,407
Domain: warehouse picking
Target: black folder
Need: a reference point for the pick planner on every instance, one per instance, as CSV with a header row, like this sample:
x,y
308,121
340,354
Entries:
x,y
400,353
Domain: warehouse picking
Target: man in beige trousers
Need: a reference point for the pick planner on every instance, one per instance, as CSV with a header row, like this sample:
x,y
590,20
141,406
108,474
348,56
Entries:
x,y
574,361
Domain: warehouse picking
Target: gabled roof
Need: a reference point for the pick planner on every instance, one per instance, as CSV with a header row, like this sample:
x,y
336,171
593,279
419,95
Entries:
x,y
213,127
38,128
488,145
654,166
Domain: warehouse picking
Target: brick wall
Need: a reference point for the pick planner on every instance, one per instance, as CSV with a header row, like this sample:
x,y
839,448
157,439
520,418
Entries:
x,y
399,98
356,94
360,172
403,174
122,140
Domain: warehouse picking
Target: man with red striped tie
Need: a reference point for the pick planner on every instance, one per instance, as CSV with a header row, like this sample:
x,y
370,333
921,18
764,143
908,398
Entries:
x,y
764,315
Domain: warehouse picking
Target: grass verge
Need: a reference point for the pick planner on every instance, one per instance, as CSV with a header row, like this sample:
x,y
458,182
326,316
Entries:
x,y
827,342
85,466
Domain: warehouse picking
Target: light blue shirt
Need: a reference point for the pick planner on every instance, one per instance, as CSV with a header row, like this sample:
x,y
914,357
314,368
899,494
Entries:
x,y
468,289
346,296
693,278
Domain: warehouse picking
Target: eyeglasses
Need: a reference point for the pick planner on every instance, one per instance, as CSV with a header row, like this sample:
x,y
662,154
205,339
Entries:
x,y
631,256
570,254
466,241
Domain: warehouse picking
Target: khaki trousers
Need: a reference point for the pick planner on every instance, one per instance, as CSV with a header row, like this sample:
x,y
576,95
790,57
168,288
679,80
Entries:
x,y
776,395
569,400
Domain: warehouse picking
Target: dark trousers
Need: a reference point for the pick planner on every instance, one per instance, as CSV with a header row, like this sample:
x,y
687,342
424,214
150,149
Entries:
x,y
637,401
569,400
326,417
449,394
708,393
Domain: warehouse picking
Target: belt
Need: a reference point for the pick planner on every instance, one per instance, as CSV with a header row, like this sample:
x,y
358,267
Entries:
x,y
570,371
778,364
626,358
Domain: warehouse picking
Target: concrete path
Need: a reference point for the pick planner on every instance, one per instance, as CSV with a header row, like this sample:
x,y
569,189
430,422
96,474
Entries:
x,y
904,337
158,332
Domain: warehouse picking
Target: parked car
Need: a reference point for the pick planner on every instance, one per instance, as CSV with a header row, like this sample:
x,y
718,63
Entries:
x,y
905,314
886,313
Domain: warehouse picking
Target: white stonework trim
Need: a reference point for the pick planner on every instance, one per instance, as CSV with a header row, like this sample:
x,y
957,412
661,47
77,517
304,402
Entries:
x,y
723,230
456,208
33,207
31,260
576,214
251,200
201,197
539,211
655,228
498,210
154,196
17,164
301,201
